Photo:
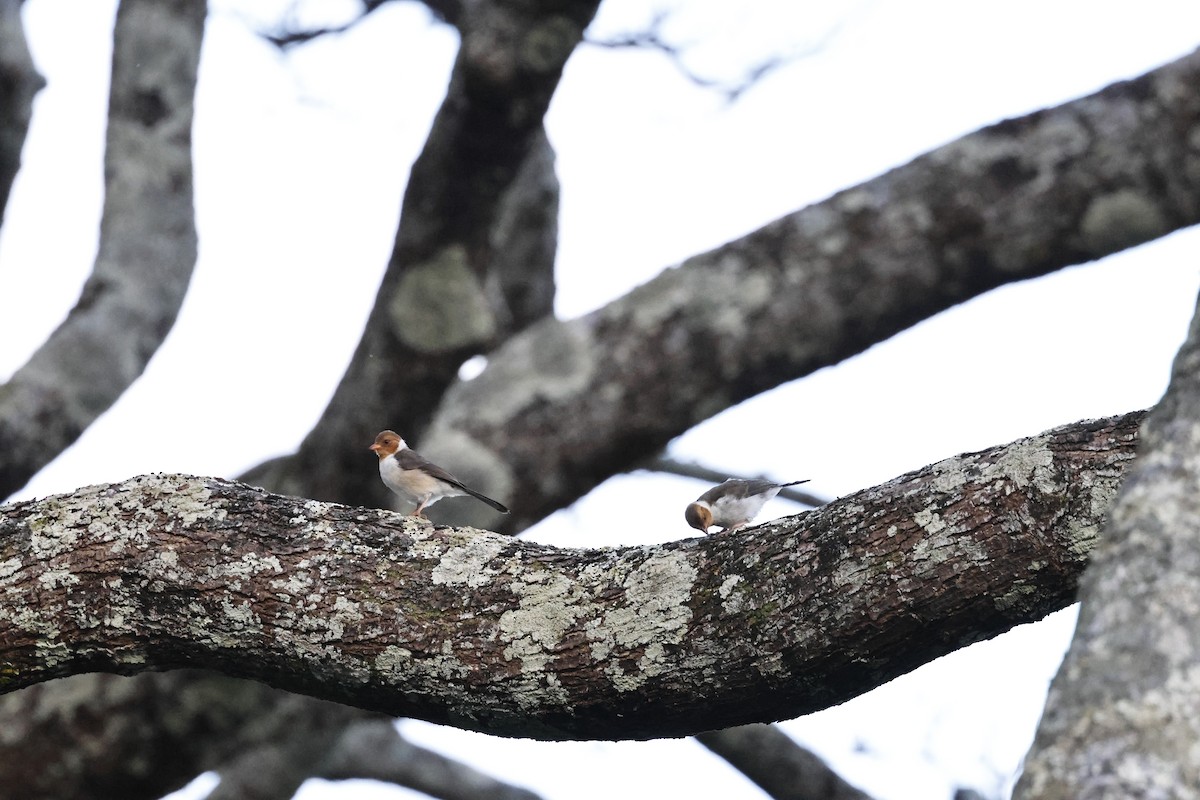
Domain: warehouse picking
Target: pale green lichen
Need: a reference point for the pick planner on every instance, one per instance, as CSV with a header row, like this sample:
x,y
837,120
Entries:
x,y
546,608
469,564
394,660
551,360
727,585
440,305
1121,219
54,578
657,592
930,521
1027,463
345,612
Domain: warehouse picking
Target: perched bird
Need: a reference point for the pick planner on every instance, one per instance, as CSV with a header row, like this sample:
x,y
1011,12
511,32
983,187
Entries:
x,y
731,504
415,478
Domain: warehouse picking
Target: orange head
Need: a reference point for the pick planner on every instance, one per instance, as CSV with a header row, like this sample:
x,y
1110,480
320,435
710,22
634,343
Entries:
x,y
386,443
699,517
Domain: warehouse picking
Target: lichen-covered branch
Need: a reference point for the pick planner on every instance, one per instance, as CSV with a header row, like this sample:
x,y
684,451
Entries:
x,y
482,631
1123,715
1009,202
147,244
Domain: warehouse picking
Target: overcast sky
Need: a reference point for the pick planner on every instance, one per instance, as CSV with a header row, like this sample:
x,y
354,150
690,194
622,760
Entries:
x,y
301,161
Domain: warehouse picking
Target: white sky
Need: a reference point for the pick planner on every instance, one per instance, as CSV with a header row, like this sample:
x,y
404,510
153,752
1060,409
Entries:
x,y
300,167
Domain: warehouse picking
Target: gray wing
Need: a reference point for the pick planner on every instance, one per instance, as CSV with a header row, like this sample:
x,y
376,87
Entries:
x,y
411,459
737,489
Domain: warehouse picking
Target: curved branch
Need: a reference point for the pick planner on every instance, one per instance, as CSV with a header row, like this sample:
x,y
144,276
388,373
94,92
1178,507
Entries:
x,y
147,245
476,630
1013,201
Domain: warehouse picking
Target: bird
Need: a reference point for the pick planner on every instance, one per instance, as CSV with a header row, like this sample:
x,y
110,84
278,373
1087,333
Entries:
x,y
414,478
732,504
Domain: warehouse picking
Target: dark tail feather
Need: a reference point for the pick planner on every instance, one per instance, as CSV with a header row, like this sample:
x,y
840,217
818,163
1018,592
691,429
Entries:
x,y
793,483
498,506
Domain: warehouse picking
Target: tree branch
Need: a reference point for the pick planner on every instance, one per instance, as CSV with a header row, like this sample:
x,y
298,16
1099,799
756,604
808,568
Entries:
x,y
1123,715
465,271
467,628
377,750
19,83
653,38
147,245
779,766
139,738
823,284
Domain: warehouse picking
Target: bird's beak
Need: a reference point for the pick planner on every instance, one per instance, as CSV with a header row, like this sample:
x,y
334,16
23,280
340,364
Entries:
x,y
374,448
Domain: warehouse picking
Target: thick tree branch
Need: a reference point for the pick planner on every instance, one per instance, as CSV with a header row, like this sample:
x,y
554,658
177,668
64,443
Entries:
x,y
779,766
464,627
464,272
139,738
19,82
1016,200
1123,715
147,244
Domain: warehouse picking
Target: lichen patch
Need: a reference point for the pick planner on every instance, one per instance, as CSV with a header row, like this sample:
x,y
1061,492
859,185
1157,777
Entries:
x,y
655,614
469,564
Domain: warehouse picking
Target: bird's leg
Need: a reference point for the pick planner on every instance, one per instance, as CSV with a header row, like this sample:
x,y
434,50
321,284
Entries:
x,y
420,508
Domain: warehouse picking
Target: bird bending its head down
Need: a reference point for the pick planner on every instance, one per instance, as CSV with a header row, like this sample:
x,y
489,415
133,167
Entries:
x,y
732,504
416,479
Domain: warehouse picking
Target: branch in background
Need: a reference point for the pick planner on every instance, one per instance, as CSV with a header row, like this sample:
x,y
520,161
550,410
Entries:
x,y
454,286
565,405
1123,715
19,83
376,750
288,34
700,472
653,38
147,245
139,738
464,627
777,765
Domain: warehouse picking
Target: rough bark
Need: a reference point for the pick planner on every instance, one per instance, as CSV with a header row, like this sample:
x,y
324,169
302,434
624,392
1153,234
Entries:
x,y
147,244
781,768
481,631
1012,201
1123,715
474,253
19,82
